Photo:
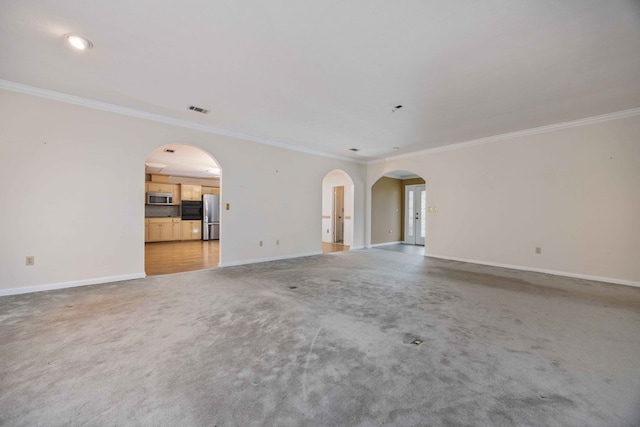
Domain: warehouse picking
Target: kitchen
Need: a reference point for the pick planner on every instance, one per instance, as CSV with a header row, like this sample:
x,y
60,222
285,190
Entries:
x,y
182,210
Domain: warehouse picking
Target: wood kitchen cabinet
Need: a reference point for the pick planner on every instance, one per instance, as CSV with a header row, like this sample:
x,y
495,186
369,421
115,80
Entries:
x,y
190,192
210,190
162,229
191,230
162,187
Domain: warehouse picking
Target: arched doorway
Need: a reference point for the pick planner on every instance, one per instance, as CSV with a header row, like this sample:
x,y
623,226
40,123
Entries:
x,y
399,212
182,210
337,211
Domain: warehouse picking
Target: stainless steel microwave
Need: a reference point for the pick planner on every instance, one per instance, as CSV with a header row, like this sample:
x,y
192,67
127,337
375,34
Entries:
x,y
154,198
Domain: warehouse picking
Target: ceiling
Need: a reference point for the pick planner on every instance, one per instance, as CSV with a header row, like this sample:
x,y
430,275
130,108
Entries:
x,y
325,76
181,160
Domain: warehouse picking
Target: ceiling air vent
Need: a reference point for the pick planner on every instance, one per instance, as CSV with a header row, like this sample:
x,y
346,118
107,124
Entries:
x,y
355,150
169,150
198,109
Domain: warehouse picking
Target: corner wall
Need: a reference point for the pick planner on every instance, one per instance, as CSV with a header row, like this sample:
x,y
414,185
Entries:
x,y
574,192
386,211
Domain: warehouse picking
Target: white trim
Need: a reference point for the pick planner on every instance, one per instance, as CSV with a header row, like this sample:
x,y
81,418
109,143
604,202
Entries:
x,y
355,248
541,270
275,258
74,284
525,132
99,105
375,245
131,112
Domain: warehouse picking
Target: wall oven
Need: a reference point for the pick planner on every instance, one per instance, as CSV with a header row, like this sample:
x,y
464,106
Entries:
x,y
154,198
191,210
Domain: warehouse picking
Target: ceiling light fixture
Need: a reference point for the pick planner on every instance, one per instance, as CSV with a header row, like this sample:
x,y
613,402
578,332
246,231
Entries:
x,y
79,42
214,171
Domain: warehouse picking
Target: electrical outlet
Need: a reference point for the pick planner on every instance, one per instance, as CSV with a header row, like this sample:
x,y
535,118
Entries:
x,y
277,242
390,231
327,231
228,206
30,260
260,242
538,250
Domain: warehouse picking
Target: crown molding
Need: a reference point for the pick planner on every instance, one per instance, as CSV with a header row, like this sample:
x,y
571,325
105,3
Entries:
x,y
139,114
131,112
532,131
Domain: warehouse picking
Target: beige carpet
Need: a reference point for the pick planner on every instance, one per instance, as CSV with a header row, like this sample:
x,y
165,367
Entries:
x,y
325,340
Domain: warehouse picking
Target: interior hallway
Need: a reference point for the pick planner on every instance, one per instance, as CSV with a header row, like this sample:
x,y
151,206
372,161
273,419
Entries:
x,y
325,340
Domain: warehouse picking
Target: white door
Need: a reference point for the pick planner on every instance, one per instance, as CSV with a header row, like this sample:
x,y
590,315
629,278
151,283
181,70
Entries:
x,y
415,208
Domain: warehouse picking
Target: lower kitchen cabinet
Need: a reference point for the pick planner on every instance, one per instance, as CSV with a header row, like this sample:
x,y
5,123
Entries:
x,y
162,229
176,229
191,230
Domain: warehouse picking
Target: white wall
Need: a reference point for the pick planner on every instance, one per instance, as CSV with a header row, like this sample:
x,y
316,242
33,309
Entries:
x,y
574,192
73,181
73,178
336,179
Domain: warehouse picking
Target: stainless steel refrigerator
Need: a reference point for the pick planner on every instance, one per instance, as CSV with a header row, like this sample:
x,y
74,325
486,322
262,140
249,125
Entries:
x,y
210,217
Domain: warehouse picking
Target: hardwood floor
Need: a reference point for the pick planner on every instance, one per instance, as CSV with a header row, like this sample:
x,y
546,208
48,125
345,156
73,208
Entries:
x,y
333,247
175,257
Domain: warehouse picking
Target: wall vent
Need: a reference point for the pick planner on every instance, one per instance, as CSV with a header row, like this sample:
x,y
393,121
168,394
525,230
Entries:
x,y
198,109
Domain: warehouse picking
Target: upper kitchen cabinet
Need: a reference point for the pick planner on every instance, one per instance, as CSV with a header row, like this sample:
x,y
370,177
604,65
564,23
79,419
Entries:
x,y
211,190
191,192
162,187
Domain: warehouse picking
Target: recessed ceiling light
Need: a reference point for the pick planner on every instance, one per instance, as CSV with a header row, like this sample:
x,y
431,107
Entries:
x,y
396,108
354,149
79,42
169,150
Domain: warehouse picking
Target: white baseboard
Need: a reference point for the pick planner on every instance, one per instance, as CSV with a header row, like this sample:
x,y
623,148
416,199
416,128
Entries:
x,y
74,284
541,270
353,248
375,245
275,258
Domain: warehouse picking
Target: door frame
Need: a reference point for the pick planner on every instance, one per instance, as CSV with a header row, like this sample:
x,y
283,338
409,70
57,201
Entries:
x,y
338,214
415,222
